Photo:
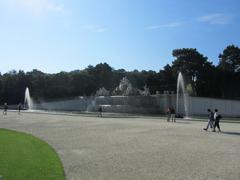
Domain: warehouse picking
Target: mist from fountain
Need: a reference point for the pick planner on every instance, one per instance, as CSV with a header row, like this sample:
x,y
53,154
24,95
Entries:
x,y
181,85
28,102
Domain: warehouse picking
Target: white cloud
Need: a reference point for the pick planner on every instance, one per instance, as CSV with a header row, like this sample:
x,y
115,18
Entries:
x,y
216,18
37,7
95,28
168,25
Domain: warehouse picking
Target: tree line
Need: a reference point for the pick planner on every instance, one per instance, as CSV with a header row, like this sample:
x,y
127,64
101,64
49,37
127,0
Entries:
x,y
202,78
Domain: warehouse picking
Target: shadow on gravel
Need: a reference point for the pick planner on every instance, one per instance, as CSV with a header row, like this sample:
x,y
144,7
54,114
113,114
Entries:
x,y
232,133
181,122
109,116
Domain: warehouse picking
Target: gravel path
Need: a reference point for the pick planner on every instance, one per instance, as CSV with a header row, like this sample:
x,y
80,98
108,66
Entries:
x,y
137,148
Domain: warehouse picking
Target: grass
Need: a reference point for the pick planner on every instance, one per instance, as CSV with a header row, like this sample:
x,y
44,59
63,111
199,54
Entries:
x,y
24,157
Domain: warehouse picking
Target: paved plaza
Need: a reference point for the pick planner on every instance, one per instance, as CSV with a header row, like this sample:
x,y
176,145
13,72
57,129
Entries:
x,y
134,148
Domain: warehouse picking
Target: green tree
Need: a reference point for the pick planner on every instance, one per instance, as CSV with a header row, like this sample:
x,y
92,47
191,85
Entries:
x,y
195,67
36,81
229,60
229,72
102,75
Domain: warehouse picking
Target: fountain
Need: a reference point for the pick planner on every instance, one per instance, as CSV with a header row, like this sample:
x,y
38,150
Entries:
x,y
180,84
124,99
145,92
125,88
102,92
28,102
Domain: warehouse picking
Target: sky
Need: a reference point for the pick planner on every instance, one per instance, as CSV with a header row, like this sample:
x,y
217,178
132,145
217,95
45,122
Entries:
x,y
66,35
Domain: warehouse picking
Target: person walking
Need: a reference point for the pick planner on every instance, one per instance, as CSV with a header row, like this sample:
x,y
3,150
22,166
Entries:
x,y
210,120
5,108
217,118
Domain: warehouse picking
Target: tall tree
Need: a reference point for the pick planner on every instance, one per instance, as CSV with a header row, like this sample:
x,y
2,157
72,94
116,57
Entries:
x,y
229,60
229,72
102,75
195,67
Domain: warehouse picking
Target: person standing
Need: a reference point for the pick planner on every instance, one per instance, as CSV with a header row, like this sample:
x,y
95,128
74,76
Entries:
x,y
168,114
210,120
5,108
217,118
19,108
173,114
100,111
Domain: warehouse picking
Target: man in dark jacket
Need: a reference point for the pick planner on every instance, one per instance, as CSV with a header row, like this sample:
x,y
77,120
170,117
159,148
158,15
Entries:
x,y
217,118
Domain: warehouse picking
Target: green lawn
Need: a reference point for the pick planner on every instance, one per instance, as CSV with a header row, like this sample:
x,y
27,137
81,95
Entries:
x,y
24,157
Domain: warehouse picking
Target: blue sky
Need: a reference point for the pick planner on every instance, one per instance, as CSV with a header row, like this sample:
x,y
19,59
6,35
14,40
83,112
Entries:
x,y
65,35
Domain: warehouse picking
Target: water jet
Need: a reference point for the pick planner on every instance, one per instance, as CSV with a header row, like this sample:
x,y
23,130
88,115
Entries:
x,y
181,85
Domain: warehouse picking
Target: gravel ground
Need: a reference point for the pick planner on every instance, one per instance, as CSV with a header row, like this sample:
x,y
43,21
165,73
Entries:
x,y
135,148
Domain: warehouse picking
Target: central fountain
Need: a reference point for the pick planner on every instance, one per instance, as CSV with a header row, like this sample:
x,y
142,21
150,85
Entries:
x,y
124,99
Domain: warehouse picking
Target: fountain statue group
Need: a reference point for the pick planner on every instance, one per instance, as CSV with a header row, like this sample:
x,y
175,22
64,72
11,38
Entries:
x,y
125,88
123,95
